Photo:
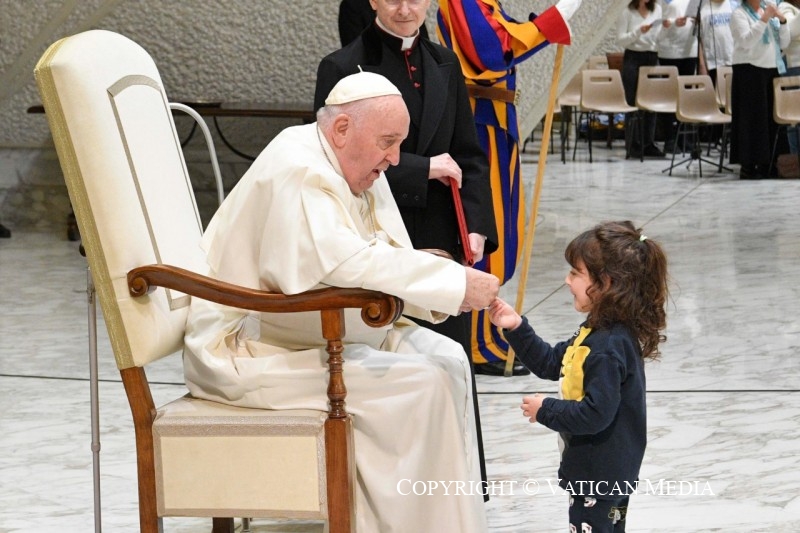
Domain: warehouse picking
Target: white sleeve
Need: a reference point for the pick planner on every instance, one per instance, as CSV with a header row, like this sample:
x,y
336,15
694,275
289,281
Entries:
x,y
419,278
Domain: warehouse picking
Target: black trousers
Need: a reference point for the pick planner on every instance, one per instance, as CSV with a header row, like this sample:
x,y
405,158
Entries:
x,y
631,61
752,126
666,122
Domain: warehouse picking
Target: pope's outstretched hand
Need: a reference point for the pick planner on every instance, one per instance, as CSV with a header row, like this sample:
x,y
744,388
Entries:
x,y
482,289
567,8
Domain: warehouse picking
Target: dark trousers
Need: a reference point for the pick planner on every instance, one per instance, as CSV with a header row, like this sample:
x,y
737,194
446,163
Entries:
x,y
752,126
631,61
667,123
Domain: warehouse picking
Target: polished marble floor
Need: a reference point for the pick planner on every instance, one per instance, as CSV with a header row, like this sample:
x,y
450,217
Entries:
x,y
723,404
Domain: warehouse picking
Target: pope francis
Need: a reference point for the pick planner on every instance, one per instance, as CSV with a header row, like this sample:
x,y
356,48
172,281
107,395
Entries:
x,y
315,210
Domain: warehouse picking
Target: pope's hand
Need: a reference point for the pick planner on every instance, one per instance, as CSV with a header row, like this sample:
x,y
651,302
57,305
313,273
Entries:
x,y
482,289
567,8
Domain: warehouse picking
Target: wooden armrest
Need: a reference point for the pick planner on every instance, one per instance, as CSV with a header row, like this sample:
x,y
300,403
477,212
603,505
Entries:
x,y
377,309
437,251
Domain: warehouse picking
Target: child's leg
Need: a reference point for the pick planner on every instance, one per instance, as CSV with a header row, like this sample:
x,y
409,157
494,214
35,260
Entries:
x,y
590,515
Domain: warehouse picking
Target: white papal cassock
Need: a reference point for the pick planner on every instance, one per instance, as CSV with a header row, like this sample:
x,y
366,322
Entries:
x,y
291,225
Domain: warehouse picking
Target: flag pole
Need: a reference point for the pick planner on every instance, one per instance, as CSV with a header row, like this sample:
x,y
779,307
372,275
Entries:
x,y
537,190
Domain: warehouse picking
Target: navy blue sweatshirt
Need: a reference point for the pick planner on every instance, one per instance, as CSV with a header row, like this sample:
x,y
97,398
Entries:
x,y
602,416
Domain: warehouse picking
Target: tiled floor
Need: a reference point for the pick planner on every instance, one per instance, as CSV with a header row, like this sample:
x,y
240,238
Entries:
x,y
724,402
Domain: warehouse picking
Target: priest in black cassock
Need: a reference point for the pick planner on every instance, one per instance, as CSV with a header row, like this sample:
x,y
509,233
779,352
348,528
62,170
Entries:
x,y
442,140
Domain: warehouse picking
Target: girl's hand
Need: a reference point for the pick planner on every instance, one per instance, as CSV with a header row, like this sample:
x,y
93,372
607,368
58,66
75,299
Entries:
x,y
530,406
503,315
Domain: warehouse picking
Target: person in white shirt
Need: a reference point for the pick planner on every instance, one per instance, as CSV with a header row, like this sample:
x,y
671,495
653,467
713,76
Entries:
x,y
790,9
715,48
677,40
759,34
638,27
677,46
716,40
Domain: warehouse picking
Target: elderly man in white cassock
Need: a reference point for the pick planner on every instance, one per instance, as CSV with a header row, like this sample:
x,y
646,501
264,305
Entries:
x,y
315,210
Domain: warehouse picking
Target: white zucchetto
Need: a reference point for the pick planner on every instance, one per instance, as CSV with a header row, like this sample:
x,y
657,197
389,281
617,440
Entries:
x,y
360,86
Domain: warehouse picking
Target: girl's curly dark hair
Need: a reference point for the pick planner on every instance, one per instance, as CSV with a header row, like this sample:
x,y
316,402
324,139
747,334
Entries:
x,y
629,281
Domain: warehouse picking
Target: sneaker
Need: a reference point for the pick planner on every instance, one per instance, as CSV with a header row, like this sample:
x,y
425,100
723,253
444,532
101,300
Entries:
x,y
498,368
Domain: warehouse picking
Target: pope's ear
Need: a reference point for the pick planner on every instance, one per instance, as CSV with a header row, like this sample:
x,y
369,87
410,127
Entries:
x,y
341,125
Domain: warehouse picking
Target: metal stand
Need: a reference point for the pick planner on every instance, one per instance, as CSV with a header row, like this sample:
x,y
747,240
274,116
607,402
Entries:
x,y
93,396
92,316
695,152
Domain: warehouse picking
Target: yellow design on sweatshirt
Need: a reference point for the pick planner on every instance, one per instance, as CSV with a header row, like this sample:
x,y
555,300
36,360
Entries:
x,y
572,367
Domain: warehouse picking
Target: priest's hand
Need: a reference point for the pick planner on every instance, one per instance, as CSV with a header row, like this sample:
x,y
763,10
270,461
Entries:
x,y
442,168
482,289
567,8
476,244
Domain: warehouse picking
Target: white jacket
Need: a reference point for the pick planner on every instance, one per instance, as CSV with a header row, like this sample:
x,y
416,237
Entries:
x,y
792,51
677,42
748,46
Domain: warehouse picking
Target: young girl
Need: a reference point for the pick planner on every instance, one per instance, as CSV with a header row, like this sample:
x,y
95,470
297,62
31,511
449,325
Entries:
x,y
619,278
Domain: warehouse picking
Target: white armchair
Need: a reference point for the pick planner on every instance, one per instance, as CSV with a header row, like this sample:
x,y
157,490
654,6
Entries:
x,y
128,183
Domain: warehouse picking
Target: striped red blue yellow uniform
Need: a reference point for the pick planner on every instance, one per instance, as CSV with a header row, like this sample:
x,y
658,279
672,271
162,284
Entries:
x,y
489,44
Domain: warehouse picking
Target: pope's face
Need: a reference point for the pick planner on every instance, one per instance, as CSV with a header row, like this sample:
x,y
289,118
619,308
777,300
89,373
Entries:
x,y
402,17
373,142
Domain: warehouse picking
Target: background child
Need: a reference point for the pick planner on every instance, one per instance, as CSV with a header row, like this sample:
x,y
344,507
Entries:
x,y
619,278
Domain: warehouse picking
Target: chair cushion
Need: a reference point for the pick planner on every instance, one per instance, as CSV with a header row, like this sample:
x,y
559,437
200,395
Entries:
x,y
211,456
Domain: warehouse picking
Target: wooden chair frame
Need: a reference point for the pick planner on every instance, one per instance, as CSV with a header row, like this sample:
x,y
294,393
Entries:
x,y
73,120
377,309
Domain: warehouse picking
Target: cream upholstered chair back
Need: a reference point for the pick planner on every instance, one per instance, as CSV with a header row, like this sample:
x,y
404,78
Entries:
x,y
116,140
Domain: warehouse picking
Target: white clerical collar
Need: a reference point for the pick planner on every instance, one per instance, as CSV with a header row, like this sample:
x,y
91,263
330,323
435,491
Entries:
x,y
408,42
